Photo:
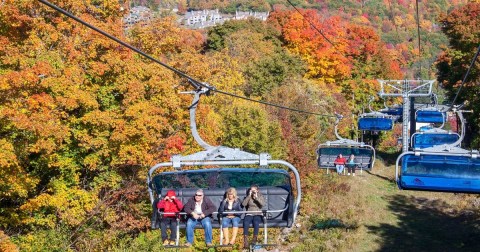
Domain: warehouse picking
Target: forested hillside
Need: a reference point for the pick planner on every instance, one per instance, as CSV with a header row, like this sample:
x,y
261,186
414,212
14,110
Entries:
x,y
82,118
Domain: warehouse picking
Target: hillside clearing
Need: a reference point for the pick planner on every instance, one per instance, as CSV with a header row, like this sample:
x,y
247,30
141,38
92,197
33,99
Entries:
x,y
374,215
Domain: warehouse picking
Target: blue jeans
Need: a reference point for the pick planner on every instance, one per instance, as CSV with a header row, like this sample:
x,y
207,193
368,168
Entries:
x,y
207,226
340,168
255,219
235,221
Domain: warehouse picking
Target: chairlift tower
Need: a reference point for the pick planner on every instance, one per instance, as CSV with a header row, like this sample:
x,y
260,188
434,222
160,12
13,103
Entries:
x,y
405,89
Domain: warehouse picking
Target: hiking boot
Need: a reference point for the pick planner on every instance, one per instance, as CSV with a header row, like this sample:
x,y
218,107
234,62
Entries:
x,y
166,243
245,241
188,244
172,243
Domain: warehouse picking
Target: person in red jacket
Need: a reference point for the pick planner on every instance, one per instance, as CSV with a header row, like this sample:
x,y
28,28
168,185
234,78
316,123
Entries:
x,y
170,206
340,163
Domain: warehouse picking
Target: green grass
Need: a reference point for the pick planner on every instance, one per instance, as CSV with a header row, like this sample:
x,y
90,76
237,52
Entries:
x,y
369,213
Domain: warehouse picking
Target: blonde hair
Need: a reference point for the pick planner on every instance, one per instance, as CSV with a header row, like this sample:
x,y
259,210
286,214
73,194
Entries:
x,y
232,191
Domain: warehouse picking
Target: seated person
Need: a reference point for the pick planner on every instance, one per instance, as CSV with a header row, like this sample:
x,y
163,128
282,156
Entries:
x,y
199,209
339,163
170,206
231,203
351,165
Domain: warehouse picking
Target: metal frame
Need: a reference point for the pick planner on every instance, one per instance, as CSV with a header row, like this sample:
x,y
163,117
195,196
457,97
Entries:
x,y
405,89
221,156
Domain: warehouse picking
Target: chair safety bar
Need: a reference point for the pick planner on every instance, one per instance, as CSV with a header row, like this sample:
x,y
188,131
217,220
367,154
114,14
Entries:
x,y
263,212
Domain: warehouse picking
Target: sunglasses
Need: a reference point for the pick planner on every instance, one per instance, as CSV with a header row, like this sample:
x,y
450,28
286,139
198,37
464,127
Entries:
x,y
199,195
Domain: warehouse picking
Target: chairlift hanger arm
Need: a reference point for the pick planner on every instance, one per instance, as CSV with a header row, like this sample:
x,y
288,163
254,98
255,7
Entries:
x,y
193,123
337,121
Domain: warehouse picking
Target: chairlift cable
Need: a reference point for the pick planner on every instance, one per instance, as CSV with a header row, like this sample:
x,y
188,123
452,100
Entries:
x,y
465,77
318,30
195,83
419,44
273,104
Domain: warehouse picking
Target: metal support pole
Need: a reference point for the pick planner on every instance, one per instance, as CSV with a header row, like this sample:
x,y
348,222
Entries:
x,y
177,240
265,234
221,228
413,122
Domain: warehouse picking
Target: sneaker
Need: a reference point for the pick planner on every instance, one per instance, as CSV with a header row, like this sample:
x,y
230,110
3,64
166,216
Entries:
x,y
348,174
166,242
354,174
209,244
188,244
172,243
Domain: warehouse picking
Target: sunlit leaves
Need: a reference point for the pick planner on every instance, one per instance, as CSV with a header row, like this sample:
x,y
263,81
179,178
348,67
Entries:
x,y
157,40
454,62
249,127
15,182
325,59
71,205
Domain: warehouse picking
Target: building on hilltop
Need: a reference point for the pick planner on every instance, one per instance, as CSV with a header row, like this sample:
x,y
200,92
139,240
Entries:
x,y
246,14
207,18
137,14
202,19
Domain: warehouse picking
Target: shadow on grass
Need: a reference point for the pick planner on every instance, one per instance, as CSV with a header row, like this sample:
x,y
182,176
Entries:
x,y
428,225
391,180
388,158
331,223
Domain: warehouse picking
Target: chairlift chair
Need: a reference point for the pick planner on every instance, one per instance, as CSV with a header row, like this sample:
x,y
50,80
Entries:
x,y
238,169
328,152
446,168
430,115
375,121
395,112
433,136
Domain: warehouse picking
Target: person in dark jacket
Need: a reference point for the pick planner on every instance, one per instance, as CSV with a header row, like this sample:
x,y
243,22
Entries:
x,y
199,209
351,165
231,203
170,206
254,201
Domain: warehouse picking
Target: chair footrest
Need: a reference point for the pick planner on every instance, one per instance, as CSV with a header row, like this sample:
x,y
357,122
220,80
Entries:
x,y
260,245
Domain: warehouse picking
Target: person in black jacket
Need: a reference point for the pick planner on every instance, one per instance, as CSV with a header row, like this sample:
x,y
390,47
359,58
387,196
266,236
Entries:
x,y
231,203
199,209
